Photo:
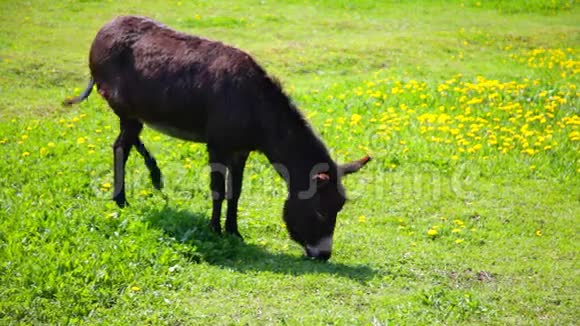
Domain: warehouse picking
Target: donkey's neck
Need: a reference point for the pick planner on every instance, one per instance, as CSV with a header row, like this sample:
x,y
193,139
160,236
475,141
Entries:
x,y
296,152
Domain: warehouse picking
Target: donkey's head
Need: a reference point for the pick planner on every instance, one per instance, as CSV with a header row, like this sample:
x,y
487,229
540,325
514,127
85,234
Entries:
x,y
311,217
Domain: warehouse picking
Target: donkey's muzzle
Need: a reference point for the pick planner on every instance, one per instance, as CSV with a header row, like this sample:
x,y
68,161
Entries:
x,y
321,251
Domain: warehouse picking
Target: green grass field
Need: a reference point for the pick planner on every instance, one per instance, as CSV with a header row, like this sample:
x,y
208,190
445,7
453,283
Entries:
x,y
468,214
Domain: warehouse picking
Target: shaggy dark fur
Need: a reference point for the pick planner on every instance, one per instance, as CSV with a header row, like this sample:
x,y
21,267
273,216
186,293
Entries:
x,y
204,91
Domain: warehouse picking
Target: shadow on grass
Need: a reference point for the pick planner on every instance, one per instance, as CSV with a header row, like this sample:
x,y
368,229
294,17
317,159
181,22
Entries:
x,y
230,252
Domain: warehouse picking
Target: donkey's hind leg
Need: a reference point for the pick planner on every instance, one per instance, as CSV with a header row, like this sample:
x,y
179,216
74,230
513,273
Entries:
x,y
151,164
128,136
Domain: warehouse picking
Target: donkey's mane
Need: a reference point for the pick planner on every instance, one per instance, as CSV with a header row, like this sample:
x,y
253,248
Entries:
x,y
311,144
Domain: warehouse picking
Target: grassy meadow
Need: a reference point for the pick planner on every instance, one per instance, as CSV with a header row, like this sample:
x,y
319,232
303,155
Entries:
x,y
468,214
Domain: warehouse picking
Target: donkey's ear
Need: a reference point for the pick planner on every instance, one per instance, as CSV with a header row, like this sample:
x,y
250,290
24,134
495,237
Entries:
x,y
321,179
353,167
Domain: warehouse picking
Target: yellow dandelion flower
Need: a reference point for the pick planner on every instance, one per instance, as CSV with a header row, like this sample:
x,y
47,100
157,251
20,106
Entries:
x,y
458,222
529,151
355,119
145,193
81,140
362,219
106,186
51,144
538,233
25,154
43,151
456,230
432,232
458,241
473,102
135,288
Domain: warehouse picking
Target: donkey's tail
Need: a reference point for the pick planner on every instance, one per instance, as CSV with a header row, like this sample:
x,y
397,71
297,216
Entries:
x,y
83,96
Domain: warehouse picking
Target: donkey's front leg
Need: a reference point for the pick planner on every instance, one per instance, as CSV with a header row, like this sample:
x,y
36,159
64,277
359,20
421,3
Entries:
x,y
128,134
218,172
236,165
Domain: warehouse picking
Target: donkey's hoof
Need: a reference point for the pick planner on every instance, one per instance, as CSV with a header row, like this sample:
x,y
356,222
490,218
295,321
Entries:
x,y
157,181
235,233
121,201
217,229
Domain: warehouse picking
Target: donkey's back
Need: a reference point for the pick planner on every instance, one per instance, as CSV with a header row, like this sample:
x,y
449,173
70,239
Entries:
x,y
179,84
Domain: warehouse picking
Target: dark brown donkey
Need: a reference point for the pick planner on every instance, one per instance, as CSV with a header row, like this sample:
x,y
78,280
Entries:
x,y
204,91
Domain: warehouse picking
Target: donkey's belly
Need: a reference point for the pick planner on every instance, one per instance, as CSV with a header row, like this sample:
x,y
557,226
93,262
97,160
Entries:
x,y
173,131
